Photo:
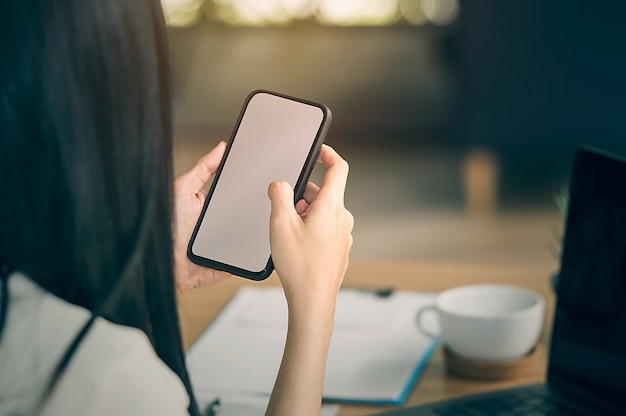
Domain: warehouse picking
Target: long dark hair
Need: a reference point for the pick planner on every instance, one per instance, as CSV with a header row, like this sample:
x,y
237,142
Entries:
x,y
85,162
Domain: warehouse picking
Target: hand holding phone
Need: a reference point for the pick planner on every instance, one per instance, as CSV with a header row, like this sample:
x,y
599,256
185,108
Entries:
x,y
189,198
277,138
311,245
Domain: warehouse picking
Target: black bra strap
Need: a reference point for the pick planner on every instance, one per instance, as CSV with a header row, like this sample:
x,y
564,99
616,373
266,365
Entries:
x,y
5,271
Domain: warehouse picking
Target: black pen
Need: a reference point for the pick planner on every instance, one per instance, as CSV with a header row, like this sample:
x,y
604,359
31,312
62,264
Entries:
x,y
383,292
213,408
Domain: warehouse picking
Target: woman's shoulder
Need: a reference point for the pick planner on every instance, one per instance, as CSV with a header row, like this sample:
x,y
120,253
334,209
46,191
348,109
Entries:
x,y
115,370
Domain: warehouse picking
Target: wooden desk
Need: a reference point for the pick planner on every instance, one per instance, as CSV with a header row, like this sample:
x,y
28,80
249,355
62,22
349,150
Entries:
x,y
199,307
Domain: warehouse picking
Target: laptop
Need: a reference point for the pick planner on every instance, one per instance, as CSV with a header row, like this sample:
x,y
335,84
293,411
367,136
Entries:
x,y
587,361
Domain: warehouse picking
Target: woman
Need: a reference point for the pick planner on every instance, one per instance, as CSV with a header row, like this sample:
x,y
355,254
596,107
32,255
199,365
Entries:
x,y
89,258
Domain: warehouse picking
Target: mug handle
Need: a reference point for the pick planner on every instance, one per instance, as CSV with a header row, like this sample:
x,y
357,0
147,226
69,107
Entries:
x,y
418,318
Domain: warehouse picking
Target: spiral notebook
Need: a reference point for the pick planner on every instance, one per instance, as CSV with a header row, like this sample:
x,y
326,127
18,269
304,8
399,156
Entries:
x,y
376,352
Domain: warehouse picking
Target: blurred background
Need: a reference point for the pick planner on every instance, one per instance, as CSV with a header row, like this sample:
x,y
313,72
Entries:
x,y
459,118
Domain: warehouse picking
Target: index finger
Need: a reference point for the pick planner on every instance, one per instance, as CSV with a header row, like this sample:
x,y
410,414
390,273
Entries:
x,y
336,176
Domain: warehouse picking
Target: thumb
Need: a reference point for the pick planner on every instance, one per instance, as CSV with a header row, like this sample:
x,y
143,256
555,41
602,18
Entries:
x,y
281,197
204,168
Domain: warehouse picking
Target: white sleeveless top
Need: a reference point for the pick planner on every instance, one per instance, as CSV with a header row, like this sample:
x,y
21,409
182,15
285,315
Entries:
x,y
114,371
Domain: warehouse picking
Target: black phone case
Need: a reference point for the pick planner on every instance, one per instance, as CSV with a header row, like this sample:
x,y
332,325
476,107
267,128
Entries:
x,y
298,189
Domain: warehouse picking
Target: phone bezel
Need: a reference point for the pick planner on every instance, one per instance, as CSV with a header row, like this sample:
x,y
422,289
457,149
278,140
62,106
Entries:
x,y
303,178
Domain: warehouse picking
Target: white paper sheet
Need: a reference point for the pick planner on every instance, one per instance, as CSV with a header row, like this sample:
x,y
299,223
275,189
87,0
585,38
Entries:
x,y
250,405
376,351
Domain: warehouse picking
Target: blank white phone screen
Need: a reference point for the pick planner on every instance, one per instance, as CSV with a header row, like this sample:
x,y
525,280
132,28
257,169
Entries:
x,y
272,143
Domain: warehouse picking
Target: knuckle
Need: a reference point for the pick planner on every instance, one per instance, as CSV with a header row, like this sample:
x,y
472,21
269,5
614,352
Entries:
x,y
345,166
349,219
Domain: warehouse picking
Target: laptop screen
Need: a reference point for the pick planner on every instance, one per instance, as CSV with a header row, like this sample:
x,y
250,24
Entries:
x,y
588,348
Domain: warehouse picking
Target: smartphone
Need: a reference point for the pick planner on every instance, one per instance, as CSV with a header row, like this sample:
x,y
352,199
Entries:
x,y
276,138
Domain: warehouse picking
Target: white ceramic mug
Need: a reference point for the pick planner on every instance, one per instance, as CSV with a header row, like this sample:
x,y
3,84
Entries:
x,y
486,322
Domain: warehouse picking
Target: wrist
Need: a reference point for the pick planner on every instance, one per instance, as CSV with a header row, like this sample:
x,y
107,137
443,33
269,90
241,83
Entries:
x,y
312,316
181,271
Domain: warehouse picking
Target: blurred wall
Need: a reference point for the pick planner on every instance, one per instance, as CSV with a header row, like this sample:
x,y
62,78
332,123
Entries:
x,y
543,73
385,85
540,78
531,80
